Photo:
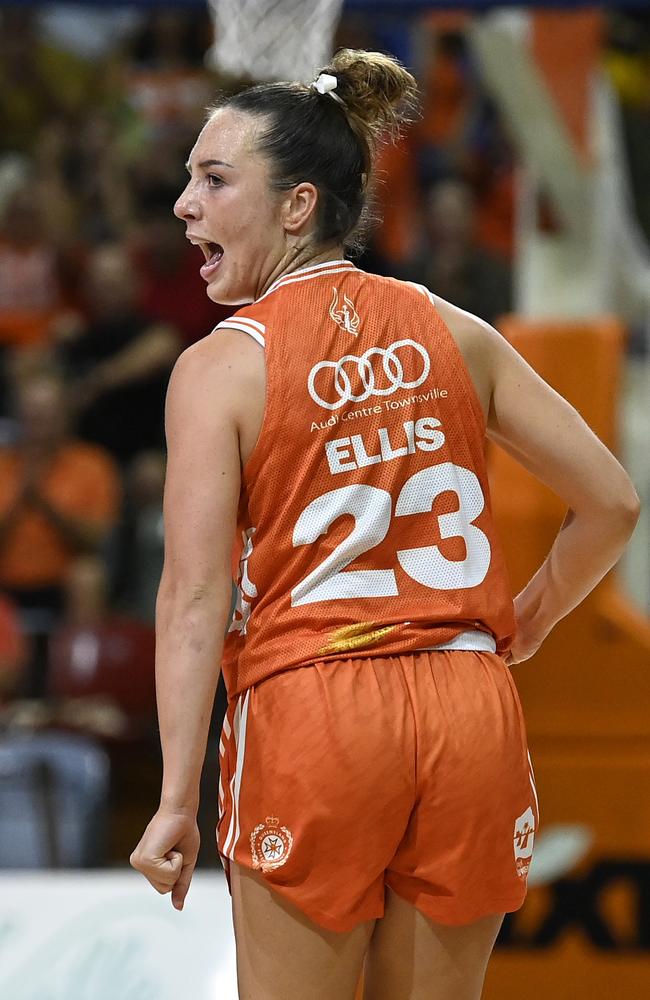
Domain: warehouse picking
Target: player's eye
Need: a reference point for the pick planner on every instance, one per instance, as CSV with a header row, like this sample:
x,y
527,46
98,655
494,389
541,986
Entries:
x,y
214,180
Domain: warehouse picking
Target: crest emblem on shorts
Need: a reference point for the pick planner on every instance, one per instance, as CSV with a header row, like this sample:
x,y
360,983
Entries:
x,y
524,838
347,316
270,844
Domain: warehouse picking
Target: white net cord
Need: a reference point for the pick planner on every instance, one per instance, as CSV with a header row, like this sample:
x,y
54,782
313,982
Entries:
x,y
272,39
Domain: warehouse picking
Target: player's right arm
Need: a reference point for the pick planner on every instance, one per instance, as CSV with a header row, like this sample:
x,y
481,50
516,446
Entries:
x,y
546,435
206,393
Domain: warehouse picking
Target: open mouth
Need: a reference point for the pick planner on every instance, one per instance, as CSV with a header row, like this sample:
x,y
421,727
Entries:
x,y
213,252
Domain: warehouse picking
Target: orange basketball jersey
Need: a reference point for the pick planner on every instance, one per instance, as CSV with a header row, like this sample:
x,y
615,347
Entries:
x,y
364,520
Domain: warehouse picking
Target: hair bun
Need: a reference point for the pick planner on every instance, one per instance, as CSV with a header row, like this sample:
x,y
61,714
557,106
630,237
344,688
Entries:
x,y
379,94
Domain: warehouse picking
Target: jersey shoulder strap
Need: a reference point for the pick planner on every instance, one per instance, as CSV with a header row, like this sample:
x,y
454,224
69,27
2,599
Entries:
x,y
250,319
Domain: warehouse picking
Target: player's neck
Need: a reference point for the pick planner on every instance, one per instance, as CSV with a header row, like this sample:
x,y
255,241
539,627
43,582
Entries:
x,y
298,258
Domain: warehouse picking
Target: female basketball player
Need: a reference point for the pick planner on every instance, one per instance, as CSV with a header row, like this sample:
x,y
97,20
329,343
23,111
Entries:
x,y
375,797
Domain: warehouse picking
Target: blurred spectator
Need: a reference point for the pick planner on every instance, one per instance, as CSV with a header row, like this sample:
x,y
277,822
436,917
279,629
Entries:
x,y
168,83
140,549
159,168
628,57
13,651
354,31
627,63
58,498
118,360
492,176
38,81
101,664
396,199
449,107
31,288
169,87
168,268
83,168
85,593
450,263
98,33
461,133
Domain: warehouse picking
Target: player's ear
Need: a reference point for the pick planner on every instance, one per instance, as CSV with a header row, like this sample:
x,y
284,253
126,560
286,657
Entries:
x,y
299,207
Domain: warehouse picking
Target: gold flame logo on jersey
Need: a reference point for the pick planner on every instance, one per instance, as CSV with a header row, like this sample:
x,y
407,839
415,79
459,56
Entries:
x,y
347,316
270,844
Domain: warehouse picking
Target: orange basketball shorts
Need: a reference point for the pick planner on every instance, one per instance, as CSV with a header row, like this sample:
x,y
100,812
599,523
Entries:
x,y
344,776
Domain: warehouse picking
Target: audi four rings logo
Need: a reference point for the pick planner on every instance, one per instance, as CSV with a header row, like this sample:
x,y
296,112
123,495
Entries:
x,y
340,383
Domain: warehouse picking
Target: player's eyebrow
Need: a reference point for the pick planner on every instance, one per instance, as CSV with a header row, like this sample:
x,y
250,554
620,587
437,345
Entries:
x,y
209,163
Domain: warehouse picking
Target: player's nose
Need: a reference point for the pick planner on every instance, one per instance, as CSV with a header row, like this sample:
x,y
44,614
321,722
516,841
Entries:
x,y
187,206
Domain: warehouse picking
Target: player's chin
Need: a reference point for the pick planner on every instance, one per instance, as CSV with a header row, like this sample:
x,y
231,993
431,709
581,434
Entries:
x,y
218,291
226,294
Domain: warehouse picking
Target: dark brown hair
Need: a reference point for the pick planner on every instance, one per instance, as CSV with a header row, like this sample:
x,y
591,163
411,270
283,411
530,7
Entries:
x,y
312,137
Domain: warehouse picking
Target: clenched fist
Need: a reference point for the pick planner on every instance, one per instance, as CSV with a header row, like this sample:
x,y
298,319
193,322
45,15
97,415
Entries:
x,y
167,852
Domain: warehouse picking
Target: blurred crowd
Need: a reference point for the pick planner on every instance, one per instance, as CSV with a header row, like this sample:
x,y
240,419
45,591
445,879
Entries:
x,y
100,292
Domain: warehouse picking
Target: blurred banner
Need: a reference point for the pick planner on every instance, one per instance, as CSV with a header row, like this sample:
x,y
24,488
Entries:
x,y
104,936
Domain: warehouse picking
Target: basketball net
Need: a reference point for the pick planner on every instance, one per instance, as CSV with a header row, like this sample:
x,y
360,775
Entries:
x,y
267,40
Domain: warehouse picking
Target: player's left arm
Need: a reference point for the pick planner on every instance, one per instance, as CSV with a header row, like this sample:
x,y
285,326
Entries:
x,y
550,439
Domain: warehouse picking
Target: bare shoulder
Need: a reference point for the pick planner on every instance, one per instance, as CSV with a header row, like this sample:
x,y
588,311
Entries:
x,y
477,341
220,380
471,333
223,355
222,367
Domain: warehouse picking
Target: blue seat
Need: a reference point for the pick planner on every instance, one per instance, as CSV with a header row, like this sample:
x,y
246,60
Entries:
x,y
54,790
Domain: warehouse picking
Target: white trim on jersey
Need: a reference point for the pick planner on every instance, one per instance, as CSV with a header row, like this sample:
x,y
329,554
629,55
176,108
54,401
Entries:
x,y
241,717
424,290
532,783
245,325
290,280
472,639
255,323
306,271
257,330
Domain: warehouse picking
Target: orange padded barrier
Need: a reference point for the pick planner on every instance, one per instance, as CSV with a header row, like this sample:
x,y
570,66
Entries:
x,y
586,698
599,655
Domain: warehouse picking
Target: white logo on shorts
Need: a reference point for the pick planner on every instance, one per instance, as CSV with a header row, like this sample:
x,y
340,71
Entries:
x,y
524,839
270,844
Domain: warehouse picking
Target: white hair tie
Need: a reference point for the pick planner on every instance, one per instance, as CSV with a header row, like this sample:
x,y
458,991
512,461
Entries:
x,y
326,84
